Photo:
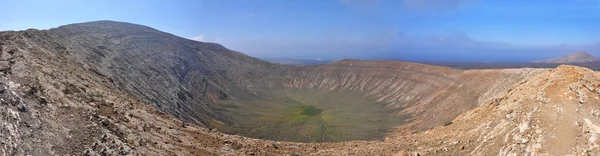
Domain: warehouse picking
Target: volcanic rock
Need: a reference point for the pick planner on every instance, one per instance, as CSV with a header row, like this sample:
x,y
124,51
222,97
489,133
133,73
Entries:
x,y
121,88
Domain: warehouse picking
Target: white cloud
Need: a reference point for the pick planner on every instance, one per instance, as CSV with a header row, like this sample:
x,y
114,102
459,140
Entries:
x,y
198,38
203,38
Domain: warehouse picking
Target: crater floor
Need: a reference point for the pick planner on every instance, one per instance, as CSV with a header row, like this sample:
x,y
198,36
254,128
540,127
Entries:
x,y
307,115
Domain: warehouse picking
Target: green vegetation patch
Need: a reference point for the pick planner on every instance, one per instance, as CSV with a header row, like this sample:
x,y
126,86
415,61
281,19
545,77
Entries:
x,y
307,115
310,110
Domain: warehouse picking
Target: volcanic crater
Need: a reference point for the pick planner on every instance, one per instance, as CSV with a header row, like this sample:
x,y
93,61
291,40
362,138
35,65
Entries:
x,y
210,85
107,88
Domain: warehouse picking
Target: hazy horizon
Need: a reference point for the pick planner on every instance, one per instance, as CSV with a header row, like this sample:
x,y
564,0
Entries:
x,y
412,30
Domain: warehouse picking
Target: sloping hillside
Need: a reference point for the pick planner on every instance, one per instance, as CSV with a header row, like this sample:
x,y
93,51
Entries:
x,y
575,57
117,88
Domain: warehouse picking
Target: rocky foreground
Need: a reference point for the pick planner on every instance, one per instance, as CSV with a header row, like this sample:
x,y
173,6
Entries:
x,y
61,96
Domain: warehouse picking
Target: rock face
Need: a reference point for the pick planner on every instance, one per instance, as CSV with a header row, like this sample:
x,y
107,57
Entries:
x,y
576,57
108,88
432,95
551,113
183,77
177,75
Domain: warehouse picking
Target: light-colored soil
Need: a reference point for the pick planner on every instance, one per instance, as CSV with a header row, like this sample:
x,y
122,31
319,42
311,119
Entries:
x,y
52,103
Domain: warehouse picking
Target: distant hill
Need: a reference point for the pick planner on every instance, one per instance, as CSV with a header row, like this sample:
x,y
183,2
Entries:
x,y
576,57
291,61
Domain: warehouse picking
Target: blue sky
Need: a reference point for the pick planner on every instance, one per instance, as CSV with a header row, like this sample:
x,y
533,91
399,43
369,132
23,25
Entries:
x,y
416,30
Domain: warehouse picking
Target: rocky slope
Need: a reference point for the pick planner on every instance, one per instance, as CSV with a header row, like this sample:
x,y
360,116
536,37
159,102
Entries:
x,y
431,95
177,75
116,88
576,57
183,77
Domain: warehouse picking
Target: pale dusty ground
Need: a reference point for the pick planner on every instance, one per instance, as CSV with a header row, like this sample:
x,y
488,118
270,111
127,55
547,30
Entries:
x,y
51,105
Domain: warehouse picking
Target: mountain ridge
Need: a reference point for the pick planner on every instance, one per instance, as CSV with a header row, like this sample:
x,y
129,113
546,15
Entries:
x,y
109,88
575,57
